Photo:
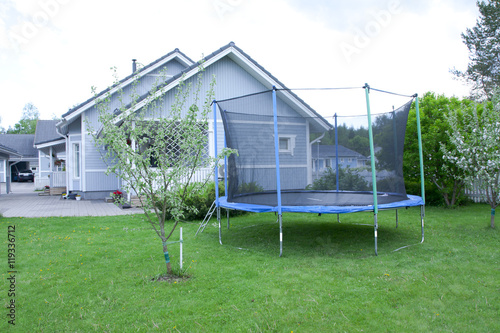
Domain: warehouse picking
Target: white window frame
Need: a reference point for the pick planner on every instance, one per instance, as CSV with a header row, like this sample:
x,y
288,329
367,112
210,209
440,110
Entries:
x,y
290,143
328,163
77,155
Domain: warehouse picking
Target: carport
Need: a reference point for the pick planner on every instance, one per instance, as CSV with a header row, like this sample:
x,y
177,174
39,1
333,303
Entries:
x,y
5,154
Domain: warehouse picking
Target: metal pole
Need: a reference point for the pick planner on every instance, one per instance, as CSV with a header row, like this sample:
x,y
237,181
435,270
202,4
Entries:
x,y
395,138
421,156
372,157
280,218
220,229
180,246
225,179
277,157
420,150
397,218
422,215
336,155
216,171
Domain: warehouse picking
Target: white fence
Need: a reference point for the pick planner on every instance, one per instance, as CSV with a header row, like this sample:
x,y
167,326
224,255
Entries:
x,y
58,179
475,193
202,175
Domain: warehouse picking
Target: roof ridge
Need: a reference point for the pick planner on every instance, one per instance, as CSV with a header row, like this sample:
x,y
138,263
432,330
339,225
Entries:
x,y
176,50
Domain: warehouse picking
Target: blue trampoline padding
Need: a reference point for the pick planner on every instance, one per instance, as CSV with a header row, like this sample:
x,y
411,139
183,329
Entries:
x,y
413,200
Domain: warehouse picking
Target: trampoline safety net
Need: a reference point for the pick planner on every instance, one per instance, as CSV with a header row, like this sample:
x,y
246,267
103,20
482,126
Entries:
x,y
322,161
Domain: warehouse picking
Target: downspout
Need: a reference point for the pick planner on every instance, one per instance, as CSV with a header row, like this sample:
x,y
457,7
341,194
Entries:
x,y
65,136
313,142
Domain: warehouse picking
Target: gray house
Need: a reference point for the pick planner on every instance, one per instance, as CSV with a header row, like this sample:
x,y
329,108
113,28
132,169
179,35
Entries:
x,y
324,157
236,74
51,155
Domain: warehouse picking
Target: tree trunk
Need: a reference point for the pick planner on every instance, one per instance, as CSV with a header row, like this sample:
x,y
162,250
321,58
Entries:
x,y
167,259
493,218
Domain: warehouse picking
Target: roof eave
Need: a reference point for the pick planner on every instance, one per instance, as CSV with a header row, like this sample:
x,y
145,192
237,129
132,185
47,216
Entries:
x,y
71,115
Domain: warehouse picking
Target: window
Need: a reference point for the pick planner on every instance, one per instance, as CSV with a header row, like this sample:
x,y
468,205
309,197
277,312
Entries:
x,y
328,163
76,160
286,144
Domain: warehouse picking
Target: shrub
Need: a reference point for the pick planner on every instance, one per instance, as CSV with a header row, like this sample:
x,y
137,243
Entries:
x,y
202,202
348,180
433,196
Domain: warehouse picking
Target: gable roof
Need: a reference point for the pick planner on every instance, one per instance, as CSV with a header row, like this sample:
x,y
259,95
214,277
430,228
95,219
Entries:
x,y
22,143
46,132
329,151
175,54
8,151
253,68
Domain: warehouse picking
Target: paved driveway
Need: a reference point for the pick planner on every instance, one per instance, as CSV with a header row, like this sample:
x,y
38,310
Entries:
x,y
24,202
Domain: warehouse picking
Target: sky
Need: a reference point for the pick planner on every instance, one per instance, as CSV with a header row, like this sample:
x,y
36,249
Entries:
x,y
52,52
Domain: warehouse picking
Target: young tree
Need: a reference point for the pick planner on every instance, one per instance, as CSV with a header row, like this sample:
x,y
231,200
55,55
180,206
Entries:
x,y
483,42
475,135
433,109
27,124
157,148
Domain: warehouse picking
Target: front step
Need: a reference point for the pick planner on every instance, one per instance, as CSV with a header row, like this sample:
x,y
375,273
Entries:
x,y
57,190
135,202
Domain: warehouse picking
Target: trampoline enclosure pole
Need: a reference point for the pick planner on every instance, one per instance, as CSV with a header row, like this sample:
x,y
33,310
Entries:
x,y
336,155
420,150
216,171
421,157
372,158
277,157
225,180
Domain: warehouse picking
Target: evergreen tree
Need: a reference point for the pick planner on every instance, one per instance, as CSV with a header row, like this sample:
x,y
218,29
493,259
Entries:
x,y
483,42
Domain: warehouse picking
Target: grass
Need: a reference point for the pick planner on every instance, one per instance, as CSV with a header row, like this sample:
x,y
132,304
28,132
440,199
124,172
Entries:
x,y
94,274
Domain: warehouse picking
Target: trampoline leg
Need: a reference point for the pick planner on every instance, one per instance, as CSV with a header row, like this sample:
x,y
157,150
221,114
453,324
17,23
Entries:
x,y
422,215
281,234
227,214
338,218
376,235
220,229
397,219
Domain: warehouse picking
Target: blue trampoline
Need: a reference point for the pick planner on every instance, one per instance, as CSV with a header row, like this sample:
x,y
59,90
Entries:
x,y
281,167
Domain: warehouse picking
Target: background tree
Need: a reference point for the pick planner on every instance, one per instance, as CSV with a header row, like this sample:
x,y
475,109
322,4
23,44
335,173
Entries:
x,y
27,124
156,153
353,138
475,136
433,110
2,130
483,42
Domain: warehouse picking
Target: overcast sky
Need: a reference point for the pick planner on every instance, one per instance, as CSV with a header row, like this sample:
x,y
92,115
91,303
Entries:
x,y
53,51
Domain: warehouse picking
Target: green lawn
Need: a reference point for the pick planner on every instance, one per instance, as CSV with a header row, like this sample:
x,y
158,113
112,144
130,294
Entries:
x,y
94,274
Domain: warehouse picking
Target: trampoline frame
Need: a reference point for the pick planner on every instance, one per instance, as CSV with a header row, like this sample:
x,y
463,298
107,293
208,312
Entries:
x,y
221,202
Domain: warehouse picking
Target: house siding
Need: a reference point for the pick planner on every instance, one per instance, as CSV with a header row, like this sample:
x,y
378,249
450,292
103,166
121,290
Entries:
x,y
94,166
99,181
3,161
